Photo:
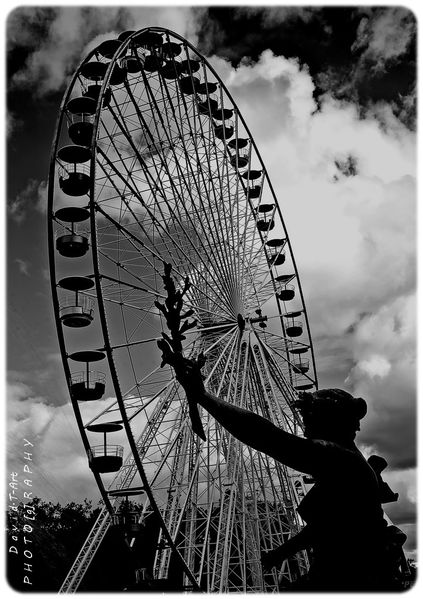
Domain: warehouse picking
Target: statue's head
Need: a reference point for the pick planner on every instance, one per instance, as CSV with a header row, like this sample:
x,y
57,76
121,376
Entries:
x,y
331,414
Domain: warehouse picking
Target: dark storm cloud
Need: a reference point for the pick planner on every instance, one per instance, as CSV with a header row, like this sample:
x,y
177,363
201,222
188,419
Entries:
x,y
364,55
46,44
390,425
384,35
346,167
381,65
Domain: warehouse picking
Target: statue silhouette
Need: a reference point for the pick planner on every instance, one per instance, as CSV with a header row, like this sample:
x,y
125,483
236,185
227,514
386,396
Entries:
x,y
343,513
395,561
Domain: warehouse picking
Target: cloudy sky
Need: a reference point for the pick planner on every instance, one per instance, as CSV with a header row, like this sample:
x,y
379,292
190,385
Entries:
x,y
329,95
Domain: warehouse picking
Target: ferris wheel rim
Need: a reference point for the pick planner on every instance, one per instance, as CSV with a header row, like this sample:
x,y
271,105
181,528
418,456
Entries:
x,y
93,220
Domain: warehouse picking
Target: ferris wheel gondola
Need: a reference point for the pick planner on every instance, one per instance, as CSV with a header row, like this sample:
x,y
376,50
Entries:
x,y
153,163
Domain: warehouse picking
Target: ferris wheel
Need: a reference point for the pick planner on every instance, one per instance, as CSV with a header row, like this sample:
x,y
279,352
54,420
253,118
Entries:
x,y
153,163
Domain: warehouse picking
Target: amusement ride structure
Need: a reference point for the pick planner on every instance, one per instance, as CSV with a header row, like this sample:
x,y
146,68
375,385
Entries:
x,y
153,164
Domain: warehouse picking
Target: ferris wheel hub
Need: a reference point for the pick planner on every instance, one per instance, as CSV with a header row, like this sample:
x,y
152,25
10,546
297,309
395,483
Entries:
x,y
241,322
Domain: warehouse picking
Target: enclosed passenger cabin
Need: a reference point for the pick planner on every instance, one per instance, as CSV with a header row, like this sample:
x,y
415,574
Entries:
x,y
105,458
238,143
207,87
285,291
81,111
294,327
222,114
170,70
252,174
93,91
108,48
150,40
87,385
253,192
152,63
94,72
239,160
223,132
207,107
300,365
171,49
190,65
131,62
74,242
276,256
128,513
118,76
267,223
74,172
77,310
189,85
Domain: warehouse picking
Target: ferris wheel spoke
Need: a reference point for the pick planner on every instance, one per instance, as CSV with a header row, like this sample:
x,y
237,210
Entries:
x,y
235,210
155,184
123,228
118,153
290,342
183,191
227,181
278,407
196,132
130,236
257,264
220,206
249,263
192,134
158,152
281,380
172,381
232,327
152,291
186,190
218,360
265,473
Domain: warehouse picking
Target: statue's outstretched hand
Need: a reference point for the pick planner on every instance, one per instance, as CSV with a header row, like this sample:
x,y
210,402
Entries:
x,y
188,372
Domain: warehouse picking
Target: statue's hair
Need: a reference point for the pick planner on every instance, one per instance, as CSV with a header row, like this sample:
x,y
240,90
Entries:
x,y
336,403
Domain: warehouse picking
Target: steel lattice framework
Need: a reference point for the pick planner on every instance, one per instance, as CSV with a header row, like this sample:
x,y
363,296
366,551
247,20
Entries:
x,y
153,163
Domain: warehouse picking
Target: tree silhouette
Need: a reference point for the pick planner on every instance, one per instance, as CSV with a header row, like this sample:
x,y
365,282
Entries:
x,y
46,537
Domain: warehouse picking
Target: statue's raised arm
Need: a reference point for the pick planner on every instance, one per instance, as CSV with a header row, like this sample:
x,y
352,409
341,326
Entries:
x,y
171,346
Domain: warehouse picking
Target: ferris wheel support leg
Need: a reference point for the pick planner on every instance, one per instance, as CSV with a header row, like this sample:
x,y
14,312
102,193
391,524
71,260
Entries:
x,y
87,553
